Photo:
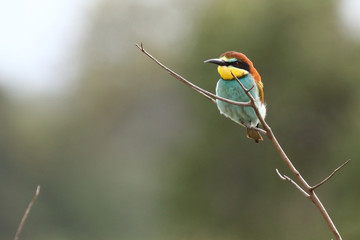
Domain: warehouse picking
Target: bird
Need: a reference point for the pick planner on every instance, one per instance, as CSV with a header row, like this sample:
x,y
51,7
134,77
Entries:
x,y
237,63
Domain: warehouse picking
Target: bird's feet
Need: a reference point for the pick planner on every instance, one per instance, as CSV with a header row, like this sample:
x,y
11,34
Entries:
x,y
245,124
251,132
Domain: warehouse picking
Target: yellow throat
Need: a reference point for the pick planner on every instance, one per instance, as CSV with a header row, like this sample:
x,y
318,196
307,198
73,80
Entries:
x,y
225,71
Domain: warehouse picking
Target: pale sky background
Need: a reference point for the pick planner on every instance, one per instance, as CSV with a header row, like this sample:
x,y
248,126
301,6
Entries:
x,y
39,38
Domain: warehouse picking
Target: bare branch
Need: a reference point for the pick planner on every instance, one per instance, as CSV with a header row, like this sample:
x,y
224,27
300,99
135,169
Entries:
x,y
244,88
193,86
312,195
207,96
286,178
256,109
332,174
304,187
27,211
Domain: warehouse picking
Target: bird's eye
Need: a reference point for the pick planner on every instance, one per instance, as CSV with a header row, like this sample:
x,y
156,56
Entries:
x,y
236,64
241,65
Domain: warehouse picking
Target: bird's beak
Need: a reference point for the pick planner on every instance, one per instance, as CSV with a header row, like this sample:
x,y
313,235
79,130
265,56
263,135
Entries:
x,y
225,70
216,61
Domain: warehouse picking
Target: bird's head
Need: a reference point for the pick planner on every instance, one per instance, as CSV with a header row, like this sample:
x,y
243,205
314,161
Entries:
x,y
236,63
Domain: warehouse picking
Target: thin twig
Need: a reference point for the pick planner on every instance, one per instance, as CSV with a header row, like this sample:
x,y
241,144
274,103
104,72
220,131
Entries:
x,y
332,174
305,187
27,211
247,90
193,86
286,178
207,96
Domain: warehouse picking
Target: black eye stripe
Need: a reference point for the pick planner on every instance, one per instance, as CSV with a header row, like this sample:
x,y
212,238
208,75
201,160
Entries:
x,y
239,64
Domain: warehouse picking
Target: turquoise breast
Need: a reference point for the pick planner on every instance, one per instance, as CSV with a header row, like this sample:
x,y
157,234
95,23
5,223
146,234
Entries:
x,y
231,89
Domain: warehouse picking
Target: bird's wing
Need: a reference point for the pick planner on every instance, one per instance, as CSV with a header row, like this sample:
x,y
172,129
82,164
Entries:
x,y
261,91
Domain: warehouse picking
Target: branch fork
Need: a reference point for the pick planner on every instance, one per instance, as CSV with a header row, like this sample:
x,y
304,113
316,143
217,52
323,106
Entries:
x,y
310,189
302,185
330,176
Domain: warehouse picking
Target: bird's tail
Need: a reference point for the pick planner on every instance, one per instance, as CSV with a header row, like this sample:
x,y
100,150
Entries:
x,y
253,134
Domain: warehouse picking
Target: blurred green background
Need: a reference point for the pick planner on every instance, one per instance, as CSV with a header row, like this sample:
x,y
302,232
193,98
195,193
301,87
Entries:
x,y
125,151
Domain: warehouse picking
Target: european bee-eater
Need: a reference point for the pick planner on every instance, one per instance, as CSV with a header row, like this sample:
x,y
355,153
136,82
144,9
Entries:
x,y
227,87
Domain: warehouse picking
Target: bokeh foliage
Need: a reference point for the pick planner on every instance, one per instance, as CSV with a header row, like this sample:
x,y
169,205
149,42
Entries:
x,y
130,153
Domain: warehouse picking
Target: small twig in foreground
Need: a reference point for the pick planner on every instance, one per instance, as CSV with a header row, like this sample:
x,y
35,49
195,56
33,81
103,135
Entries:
x,y
27,211
332,174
